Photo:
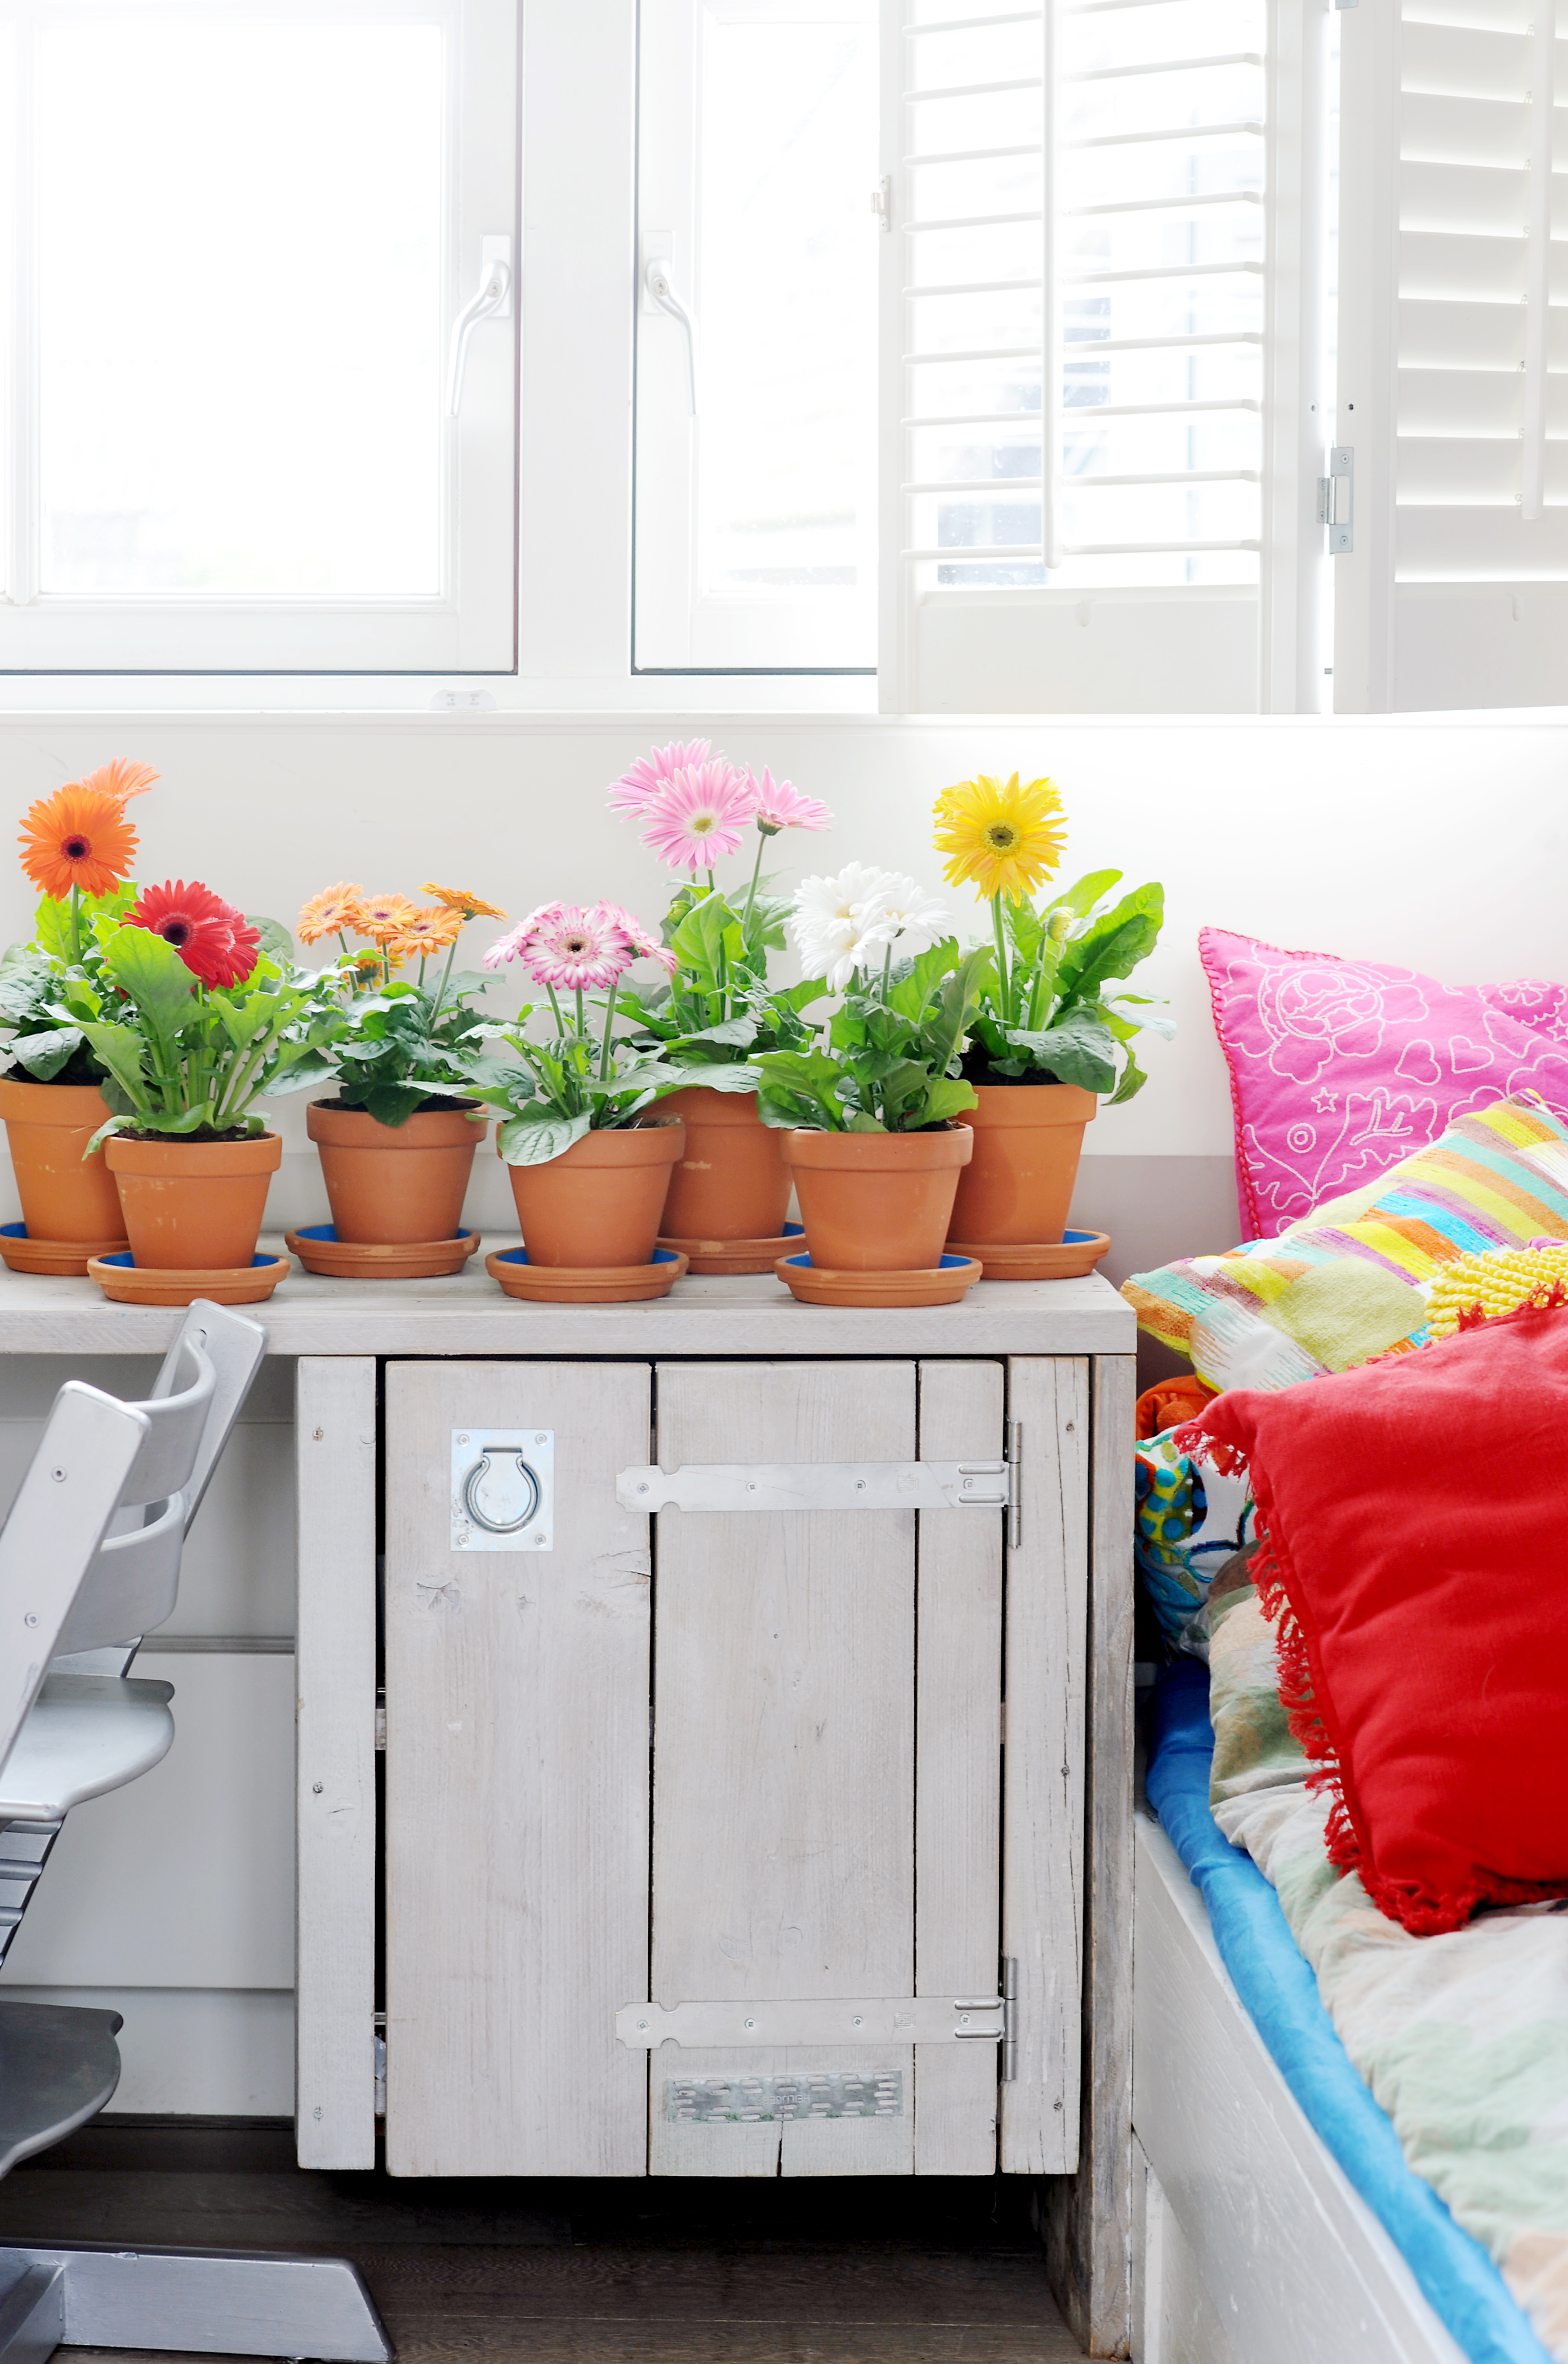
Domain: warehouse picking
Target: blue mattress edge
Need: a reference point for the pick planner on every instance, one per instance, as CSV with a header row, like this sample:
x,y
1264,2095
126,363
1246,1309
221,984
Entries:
x,y
1279,1990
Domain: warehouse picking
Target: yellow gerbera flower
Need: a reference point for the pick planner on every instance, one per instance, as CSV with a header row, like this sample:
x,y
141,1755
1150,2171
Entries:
x,y
458,898
1003,838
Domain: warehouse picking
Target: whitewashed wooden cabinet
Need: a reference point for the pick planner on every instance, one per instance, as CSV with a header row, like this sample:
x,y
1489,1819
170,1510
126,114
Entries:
x,y
801,1766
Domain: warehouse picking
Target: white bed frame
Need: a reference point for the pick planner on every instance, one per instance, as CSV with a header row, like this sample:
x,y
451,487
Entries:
x,y
1249,2246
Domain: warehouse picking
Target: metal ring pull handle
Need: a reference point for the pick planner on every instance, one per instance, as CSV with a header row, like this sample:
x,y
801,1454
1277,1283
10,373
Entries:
x,y
471,1487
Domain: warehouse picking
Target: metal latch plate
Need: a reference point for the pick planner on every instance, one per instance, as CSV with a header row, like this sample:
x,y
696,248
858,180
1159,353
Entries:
x,y
827,2093
503,1490
820,1486
924,2019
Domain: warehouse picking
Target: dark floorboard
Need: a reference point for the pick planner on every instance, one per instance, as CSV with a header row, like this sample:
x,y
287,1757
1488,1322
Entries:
x,y
876,2271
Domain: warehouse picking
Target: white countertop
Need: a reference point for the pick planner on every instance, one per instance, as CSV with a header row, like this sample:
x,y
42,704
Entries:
x,y
467,1314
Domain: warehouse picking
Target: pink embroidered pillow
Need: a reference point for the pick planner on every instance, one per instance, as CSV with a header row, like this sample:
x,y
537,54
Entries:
x,y
1340,1068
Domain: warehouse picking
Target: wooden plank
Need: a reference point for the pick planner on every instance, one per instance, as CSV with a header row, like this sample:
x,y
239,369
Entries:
x,y
467,1314
1089,2217
1294,2259
335,1436
517,1785
958,1760
1047,1579
783,1823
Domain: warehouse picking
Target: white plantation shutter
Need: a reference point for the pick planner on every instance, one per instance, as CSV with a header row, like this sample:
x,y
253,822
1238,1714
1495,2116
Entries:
x,y
1093,355
1454,363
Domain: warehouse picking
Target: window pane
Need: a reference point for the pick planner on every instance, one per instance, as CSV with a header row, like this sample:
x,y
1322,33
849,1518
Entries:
x,y
787,301
240,333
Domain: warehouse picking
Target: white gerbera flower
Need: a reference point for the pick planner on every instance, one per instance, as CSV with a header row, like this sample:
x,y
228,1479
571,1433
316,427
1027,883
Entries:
x,y
830,919
912,921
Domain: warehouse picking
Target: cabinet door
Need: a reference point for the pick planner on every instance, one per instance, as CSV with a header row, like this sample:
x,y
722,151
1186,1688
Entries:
x,y
517,1784
826,1750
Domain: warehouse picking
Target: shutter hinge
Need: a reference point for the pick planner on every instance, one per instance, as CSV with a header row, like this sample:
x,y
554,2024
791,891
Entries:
x,y
881,201
1337,500
1014,1467
381,1719
1008,2069
378,2060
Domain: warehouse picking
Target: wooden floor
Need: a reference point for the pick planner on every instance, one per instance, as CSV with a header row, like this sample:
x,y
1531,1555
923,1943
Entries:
x,y
884,2271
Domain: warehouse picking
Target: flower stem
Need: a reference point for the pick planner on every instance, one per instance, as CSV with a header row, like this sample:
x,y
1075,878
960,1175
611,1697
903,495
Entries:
x,y
560,1017
1003,995
440,994
752,890
604,1046
75,923
582,1019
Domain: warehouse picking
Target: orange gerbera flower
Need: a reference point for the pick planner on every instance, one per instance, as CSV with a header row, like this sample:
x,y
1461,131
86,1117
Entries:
x,y
431,933
121,778
331,913
457,898
79,837
382,917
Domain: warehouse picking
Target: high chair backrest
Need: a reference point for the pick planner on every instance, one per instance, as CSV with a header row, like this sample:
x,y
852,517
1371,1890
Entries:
x,y
134,1581
51,1539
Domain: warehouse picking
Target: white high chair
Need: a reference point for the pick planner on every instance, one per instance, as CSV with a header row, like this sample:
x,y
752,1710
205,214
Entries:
x,y
89,1562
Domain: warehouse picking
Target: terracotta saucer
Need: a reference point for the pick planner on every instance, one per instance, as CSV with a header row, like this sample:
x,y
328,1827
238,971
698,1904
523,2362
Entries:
x,y
736,1255
1069,1259
320,1250
566,1284
942,1284
233,1284
23,1254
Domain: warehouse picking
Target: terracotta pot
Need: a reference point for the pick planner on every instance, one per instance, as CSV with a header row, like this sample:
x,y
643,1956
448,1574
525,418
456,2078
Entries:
x,y
193,1205
1019,1185
389,1185
64,1196
599,1203
877,1201
731,1182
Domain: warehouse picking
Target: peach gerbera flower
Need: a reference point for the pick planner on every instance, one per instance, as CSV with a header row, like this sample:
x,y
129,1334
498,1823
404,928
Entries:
x,y
382,917
333,912
79,837
458,898
431,933
120,778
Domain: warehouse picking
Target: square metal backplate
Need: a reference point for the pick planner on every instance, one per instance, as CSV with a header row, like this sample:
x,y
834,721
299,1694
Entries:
x,y
504,1490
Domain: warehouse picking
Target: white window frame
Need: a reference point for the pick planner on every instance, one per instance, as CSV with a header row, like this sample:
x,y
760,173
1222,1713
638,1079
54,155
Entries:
x,y
470,623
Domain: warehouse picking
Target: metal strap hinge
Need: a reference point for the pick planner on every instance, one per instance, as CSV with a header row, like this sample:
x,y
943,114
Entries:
x,y
975,1485
910,2019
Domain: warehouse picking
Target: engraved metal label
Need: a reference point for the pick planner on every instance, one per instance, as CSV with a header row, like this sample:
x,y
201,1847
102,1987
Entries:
x,y
503,1490
748,2100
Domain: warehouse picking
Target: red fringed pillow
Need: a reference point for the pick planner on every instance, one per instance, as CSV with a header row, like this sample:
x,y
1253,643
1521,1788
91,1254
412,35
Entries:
x,y
1415,1517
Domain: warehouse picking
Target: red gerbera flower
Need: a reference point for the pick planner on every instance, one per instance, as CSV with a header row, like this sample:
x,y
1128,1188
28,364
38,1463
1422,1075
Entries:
x,y
217,942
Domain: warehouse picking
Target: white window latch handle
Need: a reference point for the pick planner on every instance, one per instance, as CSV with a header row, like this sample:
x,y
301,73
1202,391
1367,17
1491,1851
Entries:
x,y
492,301
656,279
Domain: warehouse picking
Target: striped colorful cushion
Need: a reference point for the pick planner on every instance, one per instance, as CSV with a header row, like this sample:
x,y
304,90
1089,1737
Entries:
x,y
1351,1280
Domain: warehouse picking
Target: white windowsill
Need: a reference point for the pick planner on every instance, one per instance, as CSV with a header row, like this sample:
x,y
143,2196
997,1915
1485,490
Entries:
x,y
369,697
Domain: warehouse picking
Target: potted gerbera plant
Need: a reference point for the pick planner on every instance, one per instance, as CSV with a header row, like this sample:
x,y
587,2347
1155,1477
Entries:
x,y
213,1017
716,1010
866,1113
77,848
1051,1035
396,1143
589,1169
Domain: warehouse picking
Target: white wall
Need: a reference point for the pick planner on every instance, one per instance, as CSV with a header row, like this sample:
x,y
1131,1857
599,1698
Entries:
x,y
1437,842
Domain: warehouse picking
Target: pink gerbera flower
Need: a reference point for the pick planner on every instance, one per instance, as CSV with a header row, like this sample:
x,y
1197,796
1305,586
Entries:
x,y
636,789
646,944
509,947
700,815
573,948
780,805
